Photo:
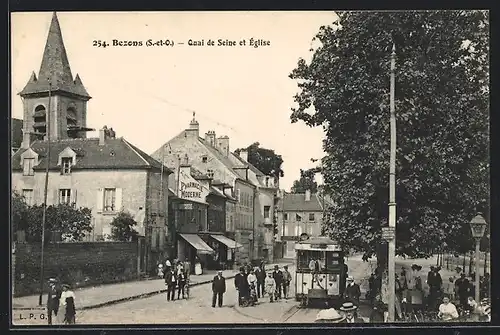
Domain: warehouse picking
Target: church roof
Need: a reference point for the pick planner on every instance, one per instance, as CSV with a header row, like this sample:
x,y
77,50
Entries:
x,y
55,68
114,154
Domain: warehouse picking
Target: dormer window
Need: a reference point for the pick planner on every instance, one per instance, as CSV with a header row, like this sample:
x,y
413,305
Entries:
x,y
66,163
28,164
210,173
267,181
204,159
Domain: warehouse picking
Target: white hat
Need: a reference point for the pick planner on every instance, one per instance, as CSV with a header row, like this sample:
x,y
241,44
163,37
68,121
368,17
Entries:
x,y
329,315
350,278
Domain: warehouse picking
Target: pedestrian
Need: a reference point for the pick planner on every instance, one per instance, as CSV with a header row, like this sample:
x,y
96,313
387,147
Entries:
x,y
415,288
270,284
349,310
252,285
181,284
218,289
261,277
278,278
179,267
287,278
53,297
160,272
378,310
66,314
435,283
447,310
352,292
170,282
168,266
462,289
241,284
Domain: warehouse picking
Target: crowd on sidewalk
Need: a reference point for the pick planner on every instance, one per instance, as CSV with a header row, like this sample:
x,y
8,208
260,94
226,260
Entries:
x,y
451,302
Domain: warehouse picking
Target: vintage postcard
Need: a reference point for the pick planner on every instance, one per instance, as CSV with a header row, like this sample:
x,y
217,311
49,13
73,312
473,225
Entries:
x,y
250,167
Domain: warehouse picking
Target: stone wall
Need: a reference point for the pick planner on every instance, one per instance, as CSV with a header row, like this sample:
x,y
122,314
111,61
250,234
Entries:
x,y
79,264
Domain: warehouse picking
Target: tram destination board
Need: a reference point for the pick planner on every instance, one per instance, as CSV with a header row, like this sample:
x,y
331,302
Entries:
x,y
388,233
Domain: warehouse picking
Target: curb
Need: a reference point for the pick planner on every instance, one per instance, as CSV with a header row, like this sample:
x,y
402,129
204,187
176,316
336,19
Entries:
x,y
117,301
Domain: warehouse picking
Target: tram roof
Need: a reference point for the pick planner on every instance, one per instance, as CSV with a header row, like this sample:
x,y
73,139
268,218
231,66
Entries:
x,y
319,243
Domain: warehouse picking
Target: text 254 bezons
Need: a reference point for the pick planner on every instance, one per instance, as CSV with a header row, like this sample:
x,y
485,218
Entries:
x,y
123,43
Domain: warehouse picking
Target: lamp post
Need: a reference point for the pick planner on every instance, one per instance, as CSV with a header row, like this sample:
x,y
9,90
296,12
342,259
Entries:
x,y
478,227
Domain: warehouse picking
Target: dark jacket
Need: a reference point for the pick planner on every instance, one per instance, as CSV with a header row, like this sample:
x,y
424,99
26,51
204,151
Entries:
x,y
168,279
240,282
278,277
53,299
219,284
434,279
261,275
356,320
377,314
352,292
181,278
462,285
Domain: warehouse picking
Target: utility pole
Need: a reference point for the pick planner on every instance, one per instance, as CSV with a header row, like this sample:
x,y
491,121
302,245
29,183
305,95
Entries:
x,y
392,194
45,191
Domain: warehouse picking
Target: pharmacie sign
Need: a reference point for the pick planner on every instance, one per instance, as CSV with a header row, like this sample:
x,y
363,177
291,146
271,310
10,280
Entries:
x,y
191,189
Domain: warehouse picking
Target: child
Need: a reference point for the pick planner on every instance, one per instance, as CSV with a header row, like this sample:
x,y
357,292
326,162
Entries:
x,y
270,285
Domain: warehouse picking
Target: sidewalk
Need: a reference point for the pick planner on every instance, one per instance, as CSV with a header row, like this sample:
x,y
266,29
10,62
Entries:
x,y
104,295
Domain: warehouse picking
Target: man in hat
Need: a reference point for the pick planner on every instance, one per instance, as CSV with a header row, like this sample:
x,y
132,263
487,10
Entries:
x,y
170,283
241,284
352,292
287,278
218,288
349,310
278,278
53,300
435,282
462,289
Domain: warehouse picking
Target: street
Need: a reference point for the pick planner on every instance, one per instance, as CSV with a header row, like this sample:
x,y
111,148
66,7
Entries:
x,y
197,309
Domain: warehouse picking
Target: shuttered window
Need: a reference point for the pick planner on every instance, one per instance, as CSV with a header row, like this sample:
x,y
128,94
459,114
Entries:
x,y
109,199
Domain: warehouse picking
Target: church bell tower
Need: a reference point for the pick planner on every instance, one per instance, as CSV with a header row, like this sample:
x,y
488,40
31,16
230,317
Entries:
x,y
68,97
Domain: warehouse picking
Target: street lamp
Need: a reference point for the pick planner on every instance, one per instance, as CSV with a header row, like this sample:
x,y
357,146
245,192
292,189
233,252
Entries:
x,y
478,227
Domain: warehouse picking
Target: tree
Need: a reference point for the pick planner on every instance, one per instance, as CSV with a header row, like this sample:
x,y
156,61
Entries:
x,y
19,210
122,227
72,223
306,182
266,160
442,109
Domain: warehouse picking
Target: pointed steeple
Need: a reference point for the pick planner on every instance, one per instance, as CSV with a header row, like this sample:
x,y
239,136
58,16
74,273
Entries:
x,y
55,64
55,67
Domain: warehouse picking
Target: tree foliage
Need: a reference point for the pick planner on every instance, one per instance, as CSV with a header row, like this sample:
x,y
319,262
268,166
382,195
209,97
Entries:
x,y
305,182
73,223
442,108
266,160
122,227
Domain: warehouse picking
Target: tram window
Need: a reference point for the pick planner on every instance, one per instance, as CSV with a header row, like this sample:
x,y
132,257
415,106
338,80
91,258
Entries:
x,y
304,259
332,260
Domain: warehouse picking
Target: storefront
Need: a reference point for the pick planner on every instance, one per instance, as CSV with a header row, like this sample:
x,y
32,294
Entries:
x,y
191,248
225,248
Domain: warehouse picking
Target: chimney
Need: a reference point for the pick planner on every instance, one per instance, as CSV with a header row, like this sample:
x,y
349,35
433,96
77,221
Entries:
x,y
210,137
103,135
223,145
194,128
26,139
244,154
308,195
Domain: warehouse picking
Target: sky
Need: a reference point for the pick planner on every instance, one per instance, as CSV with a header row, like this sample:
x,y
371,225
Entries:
x,y
148,94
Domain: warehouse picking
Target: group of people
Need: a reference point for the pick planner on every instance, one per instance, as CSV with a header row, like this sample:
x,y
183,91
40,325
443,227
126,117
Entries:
x,y
410,295
60,303
176,275
252,283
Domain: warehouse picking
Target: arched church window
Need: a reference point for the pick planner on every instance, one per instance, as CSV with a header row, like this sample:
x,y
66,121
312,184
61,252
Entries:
x,y
39,119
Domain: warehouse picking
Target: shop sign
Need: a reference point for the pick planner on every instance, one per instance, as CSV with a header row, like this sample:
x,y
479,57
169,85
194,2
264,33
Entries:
x,y
190,189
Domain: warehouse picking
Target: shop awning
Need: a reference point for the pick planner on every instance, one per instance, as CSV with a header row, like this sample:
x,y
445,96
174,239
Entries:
x,y
227,241
197,243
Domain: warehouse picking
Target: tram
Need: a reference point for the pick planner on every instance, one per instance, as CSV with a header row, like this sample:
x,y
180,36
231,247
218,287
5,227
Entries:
x,y
320,271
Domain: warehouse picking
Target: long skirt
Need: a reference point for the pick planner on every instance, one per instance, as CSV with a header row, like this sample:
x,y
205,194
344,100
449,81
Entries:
x,y
61,314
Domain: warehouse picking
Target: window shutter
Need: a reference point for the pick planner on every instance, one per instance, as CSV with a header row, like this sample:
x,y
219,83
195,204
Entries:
x,y
118,200
73,197
100,199
238,195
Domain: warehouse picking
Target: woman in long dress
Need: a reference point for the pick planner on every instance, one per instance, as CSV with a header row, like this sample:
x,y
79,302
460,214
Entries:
x,y
67,312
